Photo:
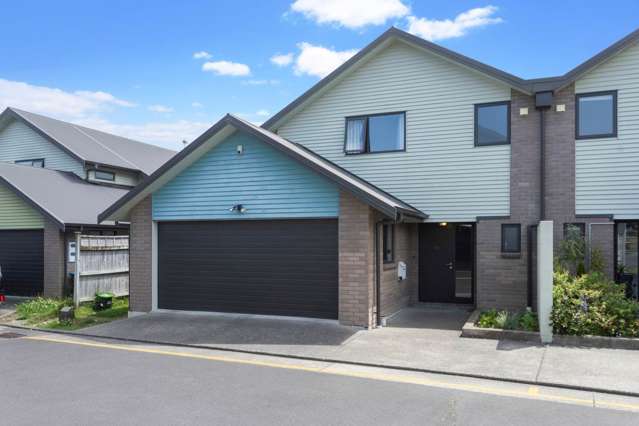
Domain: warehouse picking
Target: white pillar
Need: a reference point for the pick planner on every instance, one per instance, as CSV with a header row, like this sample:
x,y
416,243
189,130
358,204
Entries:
x,y
544,278
78,270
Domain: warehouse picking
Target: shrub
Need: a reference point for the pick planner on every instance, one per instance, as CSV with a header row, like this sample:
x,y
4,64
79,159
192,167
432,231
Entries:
x,y
592,304
507,320
40,308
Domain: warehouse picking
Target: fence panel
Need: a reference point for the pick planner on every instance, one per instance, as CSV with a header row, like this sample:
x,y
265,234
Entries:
x,y
102,265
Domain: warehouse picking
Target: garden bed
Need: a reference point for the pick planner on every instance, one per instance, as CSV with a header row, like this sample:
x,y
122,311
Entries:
x,y
472,330
43,313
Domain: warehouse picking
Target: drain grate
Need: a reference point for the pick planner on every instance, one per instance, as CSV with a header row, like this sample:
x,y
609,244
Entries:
x,y
10,335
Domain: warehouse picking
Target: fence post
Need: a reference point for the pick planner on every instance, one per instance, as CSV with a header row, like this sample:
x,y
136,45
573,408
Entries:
x,y
76,276
544,278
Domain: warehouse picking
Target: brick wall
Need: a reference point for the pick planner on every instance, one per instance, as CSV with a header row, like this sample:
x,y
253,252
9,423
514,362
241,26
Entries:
x,y
54,258
356,263
397,294
140,258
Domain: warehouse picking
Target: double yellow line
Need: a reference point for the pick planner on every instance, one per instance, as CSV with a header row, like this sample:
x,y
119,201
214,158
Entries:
x,y
532,392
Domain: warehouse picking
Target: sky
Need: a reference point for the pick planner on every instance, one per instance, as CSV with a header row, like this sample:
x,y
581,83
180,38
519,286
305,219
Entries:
x,y
164,71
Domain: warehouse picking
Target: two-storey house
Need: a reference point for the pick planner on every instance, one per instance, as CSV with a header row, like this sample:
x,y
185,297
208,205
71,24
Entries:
x,y
411,173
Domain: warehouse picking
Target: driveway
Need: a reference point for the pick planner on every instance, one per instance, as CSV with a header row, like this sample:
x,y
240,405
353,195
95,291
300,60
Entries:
x,y
422,337
9,306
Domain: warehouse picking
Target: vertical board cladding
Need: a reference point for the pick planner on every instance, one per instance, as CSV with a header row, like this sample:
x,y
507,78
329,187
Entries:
x,y
441,172
20,142
15,213
265,181
141,258
606,169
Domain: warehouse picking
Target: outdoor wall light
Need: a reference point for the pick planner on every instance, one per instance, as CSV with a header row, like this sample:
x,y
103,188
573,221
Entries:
x,y
443,224
238,208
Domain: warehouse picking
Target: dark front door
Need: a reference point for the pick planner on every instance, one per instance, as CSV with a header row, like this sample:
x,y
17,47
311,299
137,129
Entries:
x,y
270,267
446,259
22,262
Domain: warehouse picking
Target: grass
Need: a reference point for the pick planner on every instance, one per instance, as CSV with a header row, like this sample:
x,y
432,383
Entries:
x,y
43,313
505,320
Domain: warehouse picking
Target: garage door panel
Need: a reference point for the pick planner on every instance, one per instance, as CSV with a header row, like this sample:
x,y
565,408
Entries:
x,y
274,267
22,261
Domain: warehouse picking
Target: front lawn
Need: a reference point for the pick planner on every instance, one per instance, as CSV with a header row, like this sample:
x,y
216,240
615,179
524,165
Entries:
x,y
43,313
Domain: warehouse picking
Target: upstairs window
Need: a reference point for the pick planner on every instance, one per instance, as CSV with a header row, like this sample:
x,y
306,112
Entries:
x,y
492,124
375,133
596,115
38,162
106,176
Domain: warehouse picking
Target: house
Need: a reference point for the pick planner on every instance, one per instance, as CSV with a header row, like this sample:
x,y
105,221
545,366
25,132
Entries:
x,y
55,177
411,173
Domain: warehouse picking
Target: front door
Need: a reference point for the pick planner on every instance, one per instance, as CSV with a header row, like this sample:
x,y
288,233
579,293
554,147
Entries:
x,y
446,258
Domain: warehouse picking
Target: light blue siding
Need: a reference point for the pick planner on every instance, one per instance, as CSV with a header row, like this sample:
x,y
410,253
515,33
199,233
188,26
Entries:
x,y
607,172
19,142
265,181
442,172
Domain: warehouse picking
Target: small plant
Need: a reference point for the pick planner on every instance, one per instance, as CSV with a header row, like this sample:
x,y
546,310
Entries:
x,y
40,309
528,321
597,261
508,320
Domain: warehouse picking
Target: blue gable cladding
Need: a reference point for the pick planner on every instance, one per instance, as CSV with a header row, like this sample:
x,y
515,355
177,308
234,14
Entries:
x,y
268,183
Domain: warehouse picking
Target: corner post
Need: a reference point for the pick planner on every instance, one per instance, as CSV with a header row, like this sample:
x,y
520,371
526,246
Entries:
x,y
545,278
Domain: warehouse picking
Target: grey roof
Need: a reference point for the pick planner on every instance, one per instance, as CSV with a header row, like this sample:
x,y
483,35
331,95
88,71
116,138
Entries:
x,y
527,86
368,193
66,199
94,146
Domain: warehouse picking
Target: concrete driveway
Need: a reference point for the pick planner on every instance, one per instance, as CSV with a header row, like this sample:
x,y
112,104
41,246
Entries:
x,y
422,337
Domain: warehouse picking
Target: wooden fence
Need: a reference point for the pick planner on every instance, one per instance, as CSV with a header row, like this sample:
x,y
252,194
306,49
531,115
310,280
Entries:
x,y
102,264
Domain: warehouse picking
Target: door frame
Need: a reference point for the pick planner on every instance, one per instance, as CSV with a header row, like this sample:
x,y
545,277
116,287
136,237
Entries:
x,y
453,300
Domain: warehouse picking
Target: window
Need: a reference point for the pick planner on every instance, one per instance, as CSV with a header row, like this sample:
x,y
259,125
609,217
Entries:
x,y
375,133
102,175
388,243
576,227
37,162
596,115
511,238
492,123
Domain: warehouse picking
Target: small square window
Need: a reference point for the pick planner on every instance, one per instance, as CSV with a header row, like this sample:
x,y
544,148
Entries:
x,y
511,238
596,115
388,243
578,228
102,175
492,123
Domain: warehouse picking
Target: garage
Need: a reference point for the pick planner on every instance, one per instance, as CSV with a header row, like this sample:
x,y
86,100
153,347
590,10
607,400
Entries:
x,y
267,267
22,262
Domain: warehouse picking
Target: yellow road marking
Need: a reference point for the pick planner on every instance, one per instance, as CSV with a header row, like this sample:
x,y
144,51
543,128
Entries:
x,y
533,392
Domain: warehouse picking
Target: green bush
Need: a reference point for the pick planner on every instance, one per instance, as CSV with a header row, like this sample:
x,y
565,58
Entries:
x,y
592,304
40,308
507,320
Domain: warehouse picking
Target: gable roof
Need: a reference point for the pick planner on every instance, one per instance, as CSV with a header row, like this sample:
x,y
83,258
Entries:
x,y
368,193
66,199
93,146
527,86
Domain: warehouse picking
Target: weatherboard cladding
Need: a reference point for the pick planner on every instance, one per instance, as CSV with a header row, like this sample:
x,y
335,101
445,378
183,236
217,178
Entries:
x,y
606,169
268,183
441,172
15,213
20,142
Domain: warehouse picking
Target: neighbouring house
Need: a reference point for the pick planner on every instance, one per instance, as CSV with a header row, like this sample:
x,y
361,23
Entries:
x,y
55,177
411,173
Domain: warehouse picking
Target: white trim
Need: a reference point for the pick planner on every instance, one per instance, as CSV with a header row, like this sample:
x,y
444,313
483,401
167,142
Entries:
x,y
154,265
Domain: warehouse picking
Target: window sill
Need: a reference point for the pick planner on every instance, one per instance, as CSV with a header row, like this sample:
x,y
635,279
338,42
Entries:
x,y
511,255
374,152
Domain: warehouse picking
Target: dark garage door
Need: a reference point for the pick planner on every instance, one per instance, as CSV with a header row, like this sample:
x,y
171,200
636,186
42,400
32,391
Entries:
x,y
22,260
269,267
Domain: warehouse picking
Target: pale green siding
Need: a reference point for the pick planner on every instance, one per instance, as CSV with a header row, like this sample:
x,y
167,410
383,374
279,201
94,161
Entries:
x,y
607,170
441,173
16,213
19,142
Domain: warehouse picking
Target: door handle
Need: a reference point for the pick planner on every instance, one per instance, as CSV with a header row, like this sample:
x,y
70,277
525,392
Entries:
x,y
450,265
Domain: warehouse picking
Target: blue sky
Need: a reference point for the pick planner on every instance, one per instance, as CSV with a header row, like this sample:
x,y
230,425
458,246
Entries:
x,y
128,67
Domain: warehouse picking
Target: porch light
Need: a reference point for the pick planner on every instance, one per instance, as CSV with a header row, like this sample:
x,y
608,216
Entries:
x,y
443,224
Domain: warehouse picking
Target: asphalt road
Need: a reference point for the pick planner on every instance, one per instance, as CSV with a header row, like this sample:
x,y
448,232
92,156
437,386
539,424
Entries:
x,y
47,382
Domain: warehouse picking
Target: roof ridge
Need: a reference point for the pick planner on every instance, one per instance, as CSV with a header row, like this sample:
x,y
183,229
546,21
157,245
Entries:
x,y
104,146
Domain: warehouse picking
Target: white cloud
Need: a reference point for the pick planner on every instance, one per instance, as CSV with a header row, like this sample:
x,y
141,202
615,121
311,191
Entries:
x,y
160,108
351,13
227,68
260,82
196,105
440,30
282,60
263,113
55,102
319,61
202,55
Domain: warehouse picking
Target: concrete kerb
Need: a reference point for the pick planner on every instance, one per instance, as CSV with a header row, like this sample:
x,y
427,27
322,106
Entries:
x,y
343,362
